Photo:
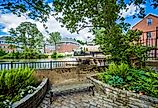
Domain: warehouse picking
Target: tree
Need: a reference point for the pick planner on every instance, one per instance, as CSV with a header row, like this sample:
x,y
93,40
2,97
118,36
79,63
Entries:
x,y
80,42
27,37
104,15
122,46
35,9
79,14
54,38
40,9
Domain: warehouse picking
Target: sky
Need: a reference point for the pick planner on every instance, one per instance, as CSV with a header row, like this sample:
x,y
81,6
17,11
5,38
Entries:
x,y
10,20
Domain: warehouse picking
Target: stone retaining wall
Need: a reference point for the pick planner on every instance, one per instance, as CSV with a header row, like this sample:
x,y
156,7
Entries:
x,y
34,99
121,98
62,76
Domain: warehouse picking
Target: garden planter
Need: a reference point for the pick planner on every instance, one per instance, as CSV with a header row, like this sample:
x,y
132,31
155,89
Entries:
x,y
33,100
122,98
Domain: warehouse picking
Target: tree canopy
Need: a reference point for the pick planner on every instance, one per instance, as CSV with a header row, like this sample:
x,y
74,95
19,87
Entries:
x,y
78,14
27,36
40,9
35,9
54,38
105,20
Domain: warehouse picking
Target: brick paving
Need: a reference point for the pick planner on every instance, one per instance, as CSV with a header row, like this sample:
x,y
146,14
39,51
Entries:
x,y
76,100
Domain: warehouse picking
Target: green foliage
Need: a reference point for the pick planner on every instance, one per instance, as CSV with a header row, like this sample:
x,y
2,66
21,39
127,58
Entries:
x,y
136,80
27,37
57,55
80,42
115,81
12,81
122,46
43,56
24,55
54,38
2,53
77,15
36,10
118,70
103,15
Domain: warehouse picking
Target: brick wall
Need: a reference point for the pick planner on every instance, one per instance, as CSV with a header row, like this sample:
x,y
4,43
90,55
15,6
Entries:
x,y
63,47
143,26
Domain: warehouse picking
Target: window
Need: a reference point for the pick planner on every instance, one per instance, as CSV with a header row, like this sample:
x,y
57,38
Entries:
x,y
148,34
149,21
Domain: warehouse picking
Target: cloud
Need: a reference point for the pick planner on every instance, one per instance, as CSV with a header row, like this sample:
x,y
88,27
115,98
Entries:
x,y
130,10
12,21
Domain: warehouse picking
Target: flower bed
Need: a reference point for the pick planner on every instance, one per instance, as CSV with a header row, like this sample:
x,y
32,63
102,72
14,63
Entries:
x,y
16,84
122,98
122,78
33,100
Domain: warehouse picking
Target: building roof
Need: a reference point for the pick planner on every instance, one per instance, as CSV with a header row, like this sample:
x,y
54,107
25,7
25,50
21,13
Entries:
x,y
69,40
145,17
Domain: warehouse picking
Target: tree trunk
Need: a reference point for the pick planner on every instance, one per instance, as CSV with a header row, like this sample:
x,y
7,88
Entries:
x,y
55,48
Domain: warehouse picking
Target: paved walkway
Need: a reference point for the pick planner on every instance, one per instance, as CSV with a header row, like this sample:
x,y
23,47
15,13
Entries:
x,y
75,96
79,100
76,100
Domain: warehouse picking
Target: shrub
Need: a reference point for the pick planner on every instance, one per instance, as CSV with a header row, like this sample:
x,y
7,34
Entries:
x,y
43,56
12,81
2,53
118,70
24,55
136,80
115,81
57,55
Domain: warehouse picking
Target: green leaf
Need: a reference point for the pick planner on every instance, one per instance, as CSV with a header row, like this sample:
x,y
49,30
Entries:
x,y
129,78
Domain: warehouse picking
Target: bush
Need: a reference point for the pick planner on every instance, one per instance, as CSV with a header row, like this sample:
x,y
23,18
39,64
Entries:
x,y
43,56
57,55
2,53
12,81
136,80
25,55
118,70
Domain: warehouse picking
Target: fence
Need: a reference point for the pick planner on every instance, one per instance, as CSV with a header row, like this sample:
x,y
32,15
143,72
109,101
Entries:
x,y
45,65
149,39
37,65
152,43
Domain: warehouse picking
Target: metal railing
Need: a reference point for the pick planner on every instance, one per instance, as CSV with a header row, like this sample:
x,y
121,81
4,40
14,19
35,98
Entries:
x,y
47,64
38,65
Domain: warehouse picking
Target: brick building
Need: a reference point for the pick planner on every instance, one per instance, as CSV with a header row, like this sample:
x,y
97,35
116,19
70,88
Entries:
x,y
67,45
149,27
5,46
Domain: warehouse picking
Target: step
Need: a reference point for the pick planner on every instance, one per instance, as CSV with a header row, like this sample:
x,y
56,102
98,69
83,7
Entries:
x,y
73,88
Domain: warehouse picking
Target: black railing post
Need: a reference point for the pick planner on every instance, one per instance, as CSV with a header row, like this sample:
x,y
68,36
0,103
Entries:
x,y
11,64
50,65
155,47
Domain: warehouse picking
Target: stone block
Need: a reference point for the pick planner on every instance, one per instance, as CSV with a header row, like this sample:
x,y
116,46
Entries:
x,y
135,100
143,97
133,106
